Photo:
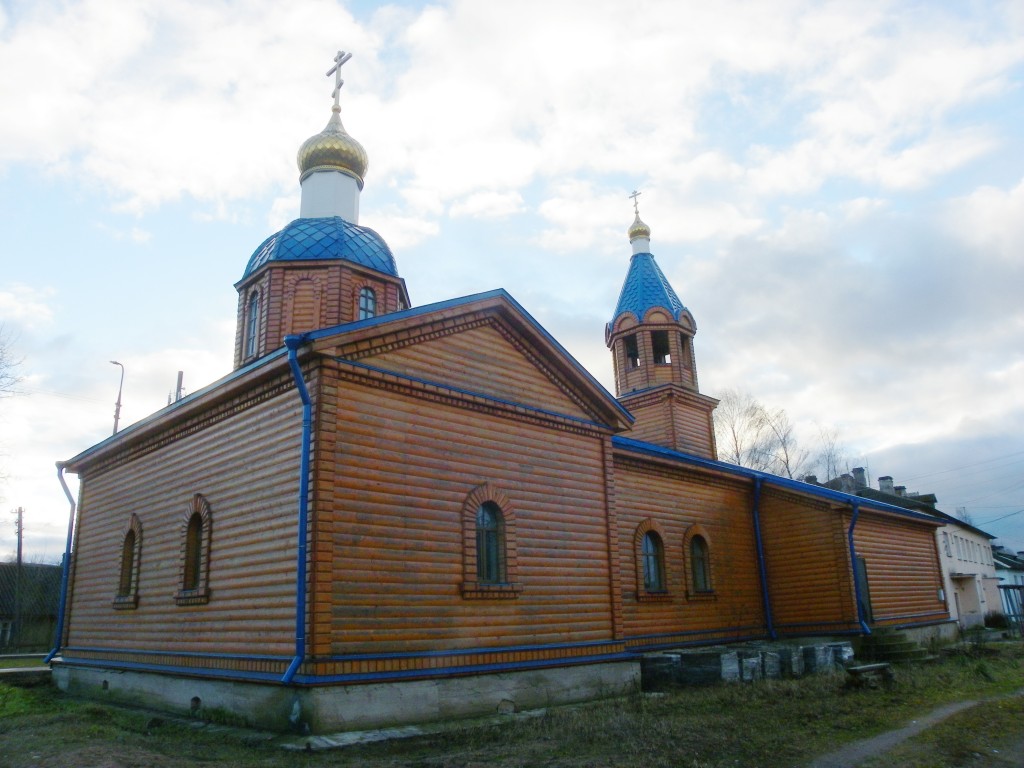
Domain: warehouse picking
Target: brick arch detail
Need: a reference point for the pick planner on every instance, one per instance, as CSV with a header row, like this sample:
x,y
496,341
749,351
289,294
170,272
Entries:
x,y
201,594
471,588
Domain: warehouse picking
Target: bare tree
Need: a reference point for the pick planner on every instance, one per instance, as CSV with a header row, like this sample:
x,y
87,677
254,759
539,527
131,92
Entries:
x,y
832,459
740,430
787,458
8,364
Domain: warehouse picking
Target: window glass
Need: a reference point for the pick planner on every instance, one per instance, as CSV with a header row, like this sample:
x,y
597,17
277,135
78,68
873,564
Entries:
x,y
367,303
653,562
193,552
490,553
700,565
253,325
124,588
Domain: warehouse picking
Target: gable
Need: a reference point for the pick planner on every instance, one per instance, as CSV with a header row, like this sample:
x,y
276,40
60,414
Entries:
x,y
483,357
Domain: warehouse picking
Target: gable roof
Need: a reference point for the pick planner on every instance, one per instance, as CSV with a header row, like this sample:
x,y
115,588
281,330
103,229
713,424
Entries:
x,y
499,303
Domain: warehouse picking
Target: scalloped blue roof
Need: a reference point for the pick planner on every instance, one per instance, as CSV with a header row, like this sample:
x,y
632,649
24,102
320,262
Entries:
x,y
327,238
646,286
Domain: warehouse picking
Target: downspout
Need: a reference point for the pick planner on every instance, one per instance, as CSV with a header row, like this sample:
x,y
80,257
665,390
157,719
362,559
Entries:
x,y
761,567
853,565
66,570
293,343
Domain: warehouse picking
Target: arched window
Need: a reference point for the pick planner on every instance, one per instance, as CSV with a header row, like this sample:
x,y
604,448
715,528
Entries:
x,y
367,303
127,596
490,544
652,555
195,554
700,565
252,326
489,559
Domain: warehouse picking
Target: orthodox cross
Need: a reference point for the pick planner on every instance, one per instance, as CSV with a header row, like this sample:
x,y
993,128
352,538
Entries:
x,y
340,59
636,205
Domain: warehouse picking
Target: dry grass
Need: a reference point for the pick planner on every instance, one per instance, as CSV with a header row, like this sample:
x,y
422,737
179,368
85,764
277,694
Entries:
x,y
773,723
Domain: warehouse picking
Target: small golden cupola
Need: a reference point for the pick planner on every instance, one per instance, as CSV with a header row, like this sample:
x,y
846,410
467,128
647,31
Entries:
x,y
651,340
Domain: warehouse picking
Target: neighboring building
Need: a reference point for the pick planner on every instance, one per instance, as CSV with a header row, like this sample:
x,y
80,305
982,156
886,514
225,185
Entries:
x,y
1010,572
29,596
965,553
390,513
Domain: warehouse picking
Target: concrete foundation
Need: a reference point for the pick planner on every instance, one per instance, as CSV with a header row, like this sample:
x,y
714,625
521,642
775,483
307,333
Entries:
x,y
335,708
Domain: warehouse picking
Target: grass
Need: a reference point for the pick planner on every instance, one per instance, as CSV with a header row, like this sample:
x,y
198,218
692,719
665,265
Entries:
x,y
10,662
772,723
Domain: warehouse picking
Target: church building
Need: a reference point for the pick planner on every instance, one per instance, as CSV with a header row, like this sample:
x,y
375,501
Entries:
x,y
391,513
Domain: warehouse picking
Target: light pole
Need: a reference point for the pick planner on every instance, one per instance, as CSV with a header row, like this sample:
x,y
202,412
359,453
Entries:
x,y
117,405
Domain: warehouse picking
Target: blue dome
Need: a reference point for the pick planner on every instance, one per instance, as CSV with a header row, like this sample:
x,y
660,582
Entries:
x,y
327,238
646,286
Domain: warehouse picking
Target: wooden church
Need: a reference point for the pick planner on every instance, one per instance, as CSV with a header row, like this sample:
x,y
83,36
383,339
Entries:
x,y
388,514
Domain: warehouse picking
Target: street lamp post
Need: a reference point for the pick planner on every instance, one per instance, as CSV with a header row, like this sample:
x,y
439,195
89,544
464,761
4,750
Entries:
x,y
117,405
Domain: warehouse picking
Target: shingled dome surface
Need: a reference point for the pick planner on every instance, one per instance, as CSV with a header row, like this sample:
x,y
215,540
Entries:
x,y
646,286
327,238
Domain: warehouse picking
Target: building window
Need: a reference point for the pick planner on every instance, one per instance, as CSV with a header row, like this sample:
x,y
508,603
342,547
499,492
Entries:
x,y
367,303
945,544
659,345
252,326
489,545
196,532
127,596
632,352
652,553
700,565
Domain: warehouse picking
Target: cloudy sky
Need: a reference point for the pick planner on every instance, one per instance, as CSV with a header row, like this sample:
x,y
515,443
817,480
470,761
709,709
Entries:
x,y
835,189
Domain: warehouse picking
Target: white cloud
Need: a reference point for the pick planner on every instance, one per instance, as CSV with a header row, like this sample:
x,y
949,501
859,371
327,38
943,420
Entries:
x,y
488,205
26,306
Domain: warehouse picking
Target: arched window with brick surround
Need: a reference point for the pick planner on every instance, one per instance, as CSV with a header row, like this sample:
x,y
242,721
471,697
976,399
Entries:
x,y
699,572
651,575
127,596
194,588
490,562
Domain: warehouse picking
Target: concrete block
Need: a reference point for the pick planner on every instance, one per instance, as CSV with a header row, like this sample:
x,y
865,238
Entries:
x,y
817,658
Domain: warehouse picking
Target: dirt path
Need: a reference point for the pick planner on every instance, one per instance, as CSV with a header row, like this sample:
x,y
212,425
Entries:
x,y
857,752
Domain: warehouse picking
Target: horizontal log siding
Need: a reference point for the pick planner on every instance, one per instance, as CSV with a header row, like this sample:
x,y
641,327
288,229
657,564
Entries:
x,y
480,360
806,555
674,418
676,500
903,573
404,468
246,466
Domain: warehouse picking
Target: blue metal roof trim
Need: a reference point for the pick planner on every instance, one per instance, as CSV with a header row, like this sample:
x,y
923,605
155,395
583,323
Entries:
x,y
325,238
646,286
776,480
460,301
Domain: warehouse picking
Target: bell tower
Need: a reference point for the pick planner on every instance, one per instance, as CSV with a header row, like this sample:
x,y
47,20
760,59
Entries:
x,y
651,341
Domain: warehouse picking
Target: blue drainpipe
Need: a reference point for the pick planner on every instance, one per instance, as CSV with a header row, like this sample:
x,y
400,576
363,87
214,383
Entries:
x,y
61,608
293,343
853,564
765,597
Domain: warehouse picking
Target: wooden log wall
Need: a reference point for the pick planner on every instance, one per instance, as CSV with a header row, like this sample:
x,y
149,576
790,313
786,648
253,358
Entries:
x,y
674,418
246,466
904,577
677,500
807,559
390,534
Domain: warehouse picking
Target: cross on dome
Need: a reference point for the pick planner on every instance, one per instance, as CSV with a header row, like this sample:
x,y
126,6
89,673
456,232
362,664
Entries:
x,y
636,204
340,59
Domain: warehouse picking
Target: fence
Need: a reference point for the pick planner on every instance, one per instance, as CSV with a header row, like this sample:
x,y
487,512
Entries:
x,y
29,598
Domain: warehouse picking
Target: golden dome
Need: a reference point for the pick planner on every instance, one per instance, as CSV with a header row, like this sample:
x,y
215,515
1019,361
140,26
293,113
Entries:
x,y
638,229
333,150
